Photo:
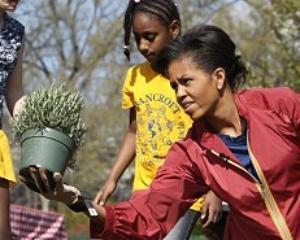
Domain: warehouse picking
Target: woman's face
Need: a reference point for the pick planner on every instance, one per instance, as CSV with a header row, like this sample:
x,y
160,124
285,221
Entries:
x,y
151,35
9,5
196,90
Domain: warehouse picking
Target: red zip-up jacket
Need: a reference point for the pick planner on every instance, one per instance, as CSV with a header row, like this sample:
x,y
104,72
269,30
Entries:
x,y
267,208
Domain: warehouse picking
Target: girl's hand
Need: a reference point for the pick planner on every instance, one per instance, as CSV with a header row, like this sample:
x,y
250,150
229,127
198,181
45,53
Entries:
x,y
212,209
105,192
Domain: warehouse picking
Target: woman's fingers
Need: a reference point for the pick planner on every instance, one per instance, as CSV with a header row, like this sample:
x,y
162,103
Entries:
x,y
58,181
44,179
22,179
37,180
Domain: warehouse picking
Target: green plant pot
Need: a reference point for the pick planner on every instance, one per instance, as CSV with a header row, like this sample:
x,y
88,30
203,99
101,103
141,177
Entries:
x,y
47,148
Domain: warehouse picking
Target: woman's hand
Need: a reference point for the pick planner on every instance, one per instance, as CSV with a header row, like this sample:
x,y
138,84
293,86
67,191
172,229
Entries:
x,y
212,209
61,192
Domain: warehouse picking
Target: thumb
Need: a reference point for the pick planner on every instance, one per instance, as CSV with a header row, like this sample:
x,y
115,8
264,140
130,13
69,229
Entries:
x,y
204,211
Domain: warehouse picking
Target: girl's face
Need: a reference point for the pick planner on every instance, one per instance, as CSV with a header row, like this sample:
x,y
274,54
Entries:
x,y
9,5
151,35
196,90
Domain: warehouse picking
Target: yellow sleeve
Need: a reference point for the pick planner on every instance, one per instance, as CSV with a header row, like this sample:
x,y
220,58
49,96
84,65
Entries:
x,y
6,165
127,91
197,206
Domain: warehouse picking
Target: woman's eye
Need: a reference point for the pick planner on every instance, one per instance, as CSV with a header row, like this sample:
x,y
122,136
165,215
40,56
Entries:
x,y
173,85
186,82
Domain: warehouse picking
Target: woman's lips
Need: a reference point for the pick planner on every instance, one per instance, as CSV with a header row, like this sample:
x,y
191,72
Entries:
x,y
186,106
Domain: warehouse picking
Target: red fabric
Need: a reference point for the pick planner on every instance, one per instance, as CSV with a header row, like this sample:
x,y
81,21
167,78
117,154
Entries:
x,y
273,119
28,224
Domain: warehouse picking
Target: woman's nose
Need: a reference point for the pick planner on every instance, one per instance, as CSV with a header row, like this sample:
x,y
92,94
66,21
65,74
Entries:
x,y
180,93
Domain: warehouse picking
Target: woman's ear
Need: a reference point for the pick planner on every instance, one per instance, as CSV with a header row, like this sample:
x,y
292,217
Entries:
x,y
175,29
219,77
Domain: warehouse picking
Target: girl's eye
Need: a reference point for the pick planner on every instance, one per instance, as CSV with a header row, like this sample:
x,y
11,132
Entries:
x,y
150,37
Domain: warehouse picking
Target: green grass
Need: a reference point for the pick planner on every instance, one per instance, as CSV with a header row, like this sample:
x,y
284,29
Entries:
x,y
197,233
79,237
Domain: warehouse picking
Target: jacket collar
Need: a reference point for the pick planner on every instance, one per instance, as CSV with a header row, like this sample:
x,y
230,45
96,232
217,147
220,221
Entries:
x,y
201,134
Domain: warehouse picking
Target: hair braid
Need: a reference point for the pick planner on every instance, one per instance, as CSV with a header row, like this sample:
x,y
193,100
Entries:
x,y
127,27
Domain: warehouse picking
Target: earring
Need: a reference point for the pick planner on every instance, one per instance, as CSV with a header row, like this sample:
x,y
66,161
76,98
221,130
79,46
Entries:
x,y
219,87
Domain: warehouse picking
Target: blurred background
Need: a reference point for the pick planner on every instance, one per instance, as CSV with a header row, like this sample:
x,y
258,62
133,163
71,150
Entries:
x,y
80,42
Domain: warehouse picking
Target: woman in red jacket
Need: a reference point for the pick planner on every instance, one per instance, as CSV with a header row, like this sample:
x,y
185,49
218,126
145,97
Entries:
x,y
244,146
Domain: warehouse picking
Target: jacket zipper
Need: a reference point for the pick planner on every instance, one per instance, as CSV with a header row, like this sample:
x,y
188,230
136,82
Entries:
x,y
264,190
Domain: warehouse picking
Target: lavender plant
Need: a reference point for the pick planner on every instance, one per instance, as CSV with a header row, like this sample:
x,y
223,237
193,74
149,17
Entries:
x,y
54,106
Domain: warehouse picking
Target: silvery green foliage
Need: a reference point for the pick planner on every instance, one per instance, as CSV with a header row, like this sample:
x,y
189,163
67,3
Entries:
x,y
54,106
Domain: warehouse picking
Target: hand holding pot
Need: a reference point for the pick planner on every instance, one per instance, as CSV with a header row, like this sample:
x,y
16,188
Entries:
x,y
40,180
64,193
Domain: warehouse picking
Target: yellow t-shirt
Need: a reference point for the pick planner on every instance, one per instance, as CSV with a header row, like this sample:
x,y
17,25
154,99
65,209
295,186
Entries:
x,y
6,166
159,118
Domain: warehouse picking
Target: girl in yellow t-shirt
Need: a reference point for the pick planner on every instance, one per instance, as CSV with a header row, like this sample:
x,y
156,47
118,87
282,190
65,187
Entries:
x,y
11,90
156,120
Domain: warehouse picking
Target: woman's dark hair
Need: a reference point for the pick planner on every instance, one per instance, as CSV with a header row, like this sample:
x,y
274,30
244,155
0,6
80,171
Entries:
x,y
209,47
165,11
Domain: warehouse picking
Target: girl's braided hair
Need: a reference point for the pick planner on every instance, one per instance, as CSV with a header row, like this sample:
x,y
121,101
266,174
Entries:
x,y
165,11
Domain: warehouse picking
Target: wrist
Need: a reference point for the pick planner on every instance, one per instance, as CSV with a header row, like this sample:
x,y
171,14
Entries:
x,y
112,179
77,205
83,204
71,197
72,200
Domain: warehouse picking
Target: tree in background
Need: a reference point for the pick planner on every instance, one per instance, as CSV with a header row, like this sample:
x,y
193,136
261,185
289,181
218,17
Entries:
x,y
269,38
283,17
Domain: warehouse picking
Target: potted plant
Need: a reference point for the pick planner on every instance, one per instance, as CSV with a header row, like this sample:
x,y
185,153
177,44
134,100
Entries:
x,y
49,128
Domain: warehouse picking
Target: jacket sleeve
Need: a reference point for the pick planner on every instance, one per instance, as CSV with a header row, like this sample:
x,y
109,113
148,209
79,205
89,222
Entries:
x,y
289,104
296,111
283,100
150,214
